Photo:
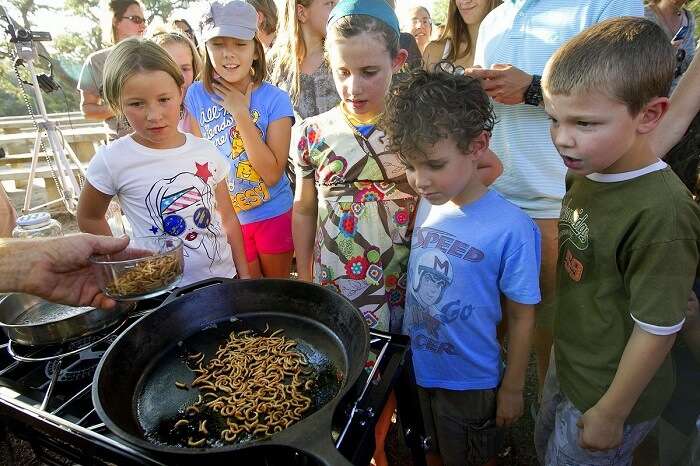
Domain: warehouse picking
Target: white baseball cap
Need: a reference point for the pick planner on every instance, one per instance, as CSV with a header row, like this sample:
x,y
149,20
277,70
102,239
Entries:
x,y
229,18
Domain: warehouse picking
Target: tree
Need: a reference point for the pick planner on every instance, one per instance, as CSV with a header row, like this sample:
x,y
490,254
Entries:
x,y
439,11
694,7
68,50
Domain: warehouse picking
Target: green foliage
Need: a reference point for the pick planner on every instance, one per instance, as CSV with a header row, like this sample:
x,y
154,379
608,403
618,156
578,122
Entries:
x,y
439,11
695,8
69,50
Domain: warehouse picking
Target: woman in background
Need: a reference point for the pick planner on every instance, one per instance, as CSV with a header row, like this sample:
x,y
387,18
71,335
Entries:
x,y
456,44
124,19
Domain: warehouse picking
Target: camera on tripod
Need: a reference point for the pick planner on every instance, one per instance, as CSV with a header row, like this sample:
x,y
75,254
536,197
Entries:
x,y
23,41
59,158
25,35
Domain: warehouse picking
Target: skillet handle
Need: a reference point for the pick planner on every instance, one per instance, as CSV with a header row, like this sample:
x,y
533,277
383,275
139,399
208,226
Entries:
x,y
179,292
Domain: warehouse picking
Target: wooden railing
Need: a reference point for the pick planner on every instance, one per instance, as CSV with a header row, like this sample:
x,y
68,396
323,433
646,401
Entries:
x,y
17,136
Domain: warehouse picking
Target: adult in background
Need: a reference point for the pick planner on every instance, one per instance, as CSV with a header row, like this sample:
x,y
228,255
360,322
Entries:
x,y
457,41
672,16
57,269
267,21
124,18
515,41
409,44
420,25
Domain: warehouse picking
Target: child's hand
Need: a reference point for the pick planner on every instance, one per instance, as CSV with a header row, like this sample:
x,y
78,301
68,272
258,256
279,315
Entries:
x,y
509,406
233,100
599,431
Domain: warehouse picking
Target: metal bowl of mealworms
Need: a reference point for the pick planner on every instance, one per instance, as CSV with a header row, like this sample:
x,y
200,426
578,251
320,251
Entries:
x,y
148,267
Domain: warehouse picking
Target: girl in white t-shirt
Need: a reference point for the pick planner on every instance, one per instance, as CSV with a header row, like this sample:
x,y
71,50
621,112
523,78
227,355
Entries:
x,y
168,183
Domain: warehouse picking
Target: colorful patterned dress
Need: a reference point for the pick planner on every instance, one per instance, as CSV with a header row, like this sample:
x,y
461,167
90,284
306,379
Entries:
x,y
366,211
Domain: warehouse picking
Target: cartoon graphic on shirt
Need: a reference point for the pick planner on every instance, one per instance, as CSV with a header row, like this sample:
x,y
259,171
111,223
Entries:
x,y
573,231
434,274
427,311
246,187
182,206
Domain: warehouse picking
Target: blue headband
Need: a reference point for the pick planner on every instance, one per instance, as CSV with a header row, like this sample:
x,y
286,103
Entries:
x,y
378,9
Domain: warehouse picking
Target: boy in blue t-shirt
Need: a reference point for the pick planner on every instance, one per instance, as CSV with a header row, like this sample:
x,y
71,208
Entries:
x,y
473,254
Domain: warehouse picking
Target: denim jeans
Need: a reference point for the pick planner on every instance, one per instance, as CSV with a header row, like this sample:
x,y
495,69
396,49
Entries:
x,y
557,435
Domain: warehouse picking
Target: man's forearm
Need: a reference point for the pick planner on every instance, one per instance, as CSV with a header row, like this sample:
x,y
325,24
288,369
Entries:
x,y
17,257
642,357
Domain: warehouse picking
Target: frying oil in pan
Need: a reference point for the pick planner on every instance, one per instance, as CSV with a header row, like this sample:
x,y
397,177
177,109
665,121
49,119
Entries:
x,y
160,424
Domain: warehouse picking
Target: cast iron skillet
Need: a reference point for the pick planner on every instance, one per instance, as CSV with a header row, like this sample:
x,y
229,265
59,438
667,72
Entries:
x,y
134,387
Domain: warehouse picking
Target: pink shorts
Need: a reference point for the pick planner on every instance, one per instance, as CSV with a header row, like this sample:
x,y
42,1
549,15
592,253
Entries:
x,y
271,236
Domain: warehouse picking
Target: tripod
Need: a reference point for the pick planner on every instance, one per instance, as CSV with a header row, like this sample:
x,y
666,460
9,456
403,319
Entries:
x,y
61,170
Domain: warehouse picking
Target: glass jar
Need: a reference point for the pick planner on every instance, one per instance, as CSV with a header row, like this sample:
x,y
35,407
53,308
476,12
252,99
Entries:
x,y
37,225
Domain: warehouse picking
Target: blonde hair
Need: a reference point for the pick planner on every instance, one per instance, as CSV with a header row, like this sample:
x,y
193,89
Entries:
x,y
115,9
268,9
457,32
628,58
259,68
165,37
289,50
131,56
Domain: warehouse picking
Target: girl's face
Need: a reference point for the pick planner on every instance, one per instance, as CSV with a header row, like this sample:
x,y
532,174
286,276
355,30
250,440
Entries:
x,y
267,39
182,55
361,78
151,102
315,16
232,58
133,27
472,11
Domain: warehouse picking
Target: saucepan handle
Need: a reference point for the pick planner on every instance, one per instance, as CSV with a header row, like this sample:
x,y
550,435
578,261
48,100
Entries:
x,y
179,292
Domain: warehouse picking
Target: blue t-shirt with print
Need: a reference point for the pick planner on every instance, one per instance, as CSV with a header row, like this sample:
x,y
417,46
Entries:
x,y
252,199
462,260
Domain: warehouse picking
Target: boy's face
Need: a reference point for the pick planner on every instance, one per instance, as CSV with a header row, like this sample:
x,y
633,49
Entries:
x,y
445,173
594,133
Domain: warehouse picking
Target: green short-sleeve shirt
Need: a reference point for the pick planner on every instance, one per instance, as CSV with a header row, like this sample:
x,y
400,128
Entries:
x,y
628,254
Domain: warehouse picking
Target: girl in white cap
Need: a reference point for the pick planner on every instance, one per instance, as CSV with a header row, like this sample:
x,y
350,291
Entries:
x,y
249,121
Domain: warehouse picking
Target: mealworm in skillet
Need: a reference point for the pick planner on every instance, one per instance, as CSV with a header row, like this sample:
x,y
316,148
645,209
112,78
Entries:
x,y
198,443
255,383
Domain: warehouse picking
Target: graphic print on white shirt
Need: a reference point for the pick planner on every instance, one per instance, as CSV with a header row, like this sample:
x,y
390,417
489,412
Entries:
x,y
182,206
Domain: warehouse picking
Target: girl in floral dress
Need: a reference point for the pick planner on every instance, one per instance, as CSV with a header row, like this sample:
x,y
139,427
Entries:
x,y
354,209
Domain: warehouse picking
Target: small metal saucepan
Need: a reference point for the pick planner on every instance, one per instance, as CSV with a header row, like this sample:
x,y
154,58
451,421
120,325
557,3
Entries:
x,y
32,321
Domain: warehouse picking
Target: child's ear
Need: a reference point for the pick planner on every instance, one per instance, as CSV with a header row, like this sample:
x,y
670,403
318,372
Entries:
x,y
301,13
651,114
480,145
399,60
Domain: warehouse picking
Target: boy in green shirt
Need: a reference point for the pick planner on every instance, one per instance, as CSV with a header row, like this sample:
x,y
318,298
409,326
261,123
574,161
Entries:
x,y
628,246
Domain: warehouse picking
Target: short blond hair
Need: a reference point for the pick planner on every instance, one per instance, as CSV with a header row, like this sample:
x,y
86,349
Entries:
x,y
630,59
131,56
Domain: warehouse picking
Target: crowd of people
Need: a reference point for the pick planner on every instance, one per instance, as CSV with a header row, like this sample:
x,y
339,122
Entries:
x,y
487,188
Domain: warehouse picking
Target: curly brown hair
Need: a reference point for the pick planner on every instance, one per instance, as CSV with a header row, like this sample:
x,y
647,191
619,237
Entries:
x,y
426,106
